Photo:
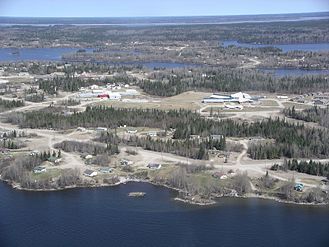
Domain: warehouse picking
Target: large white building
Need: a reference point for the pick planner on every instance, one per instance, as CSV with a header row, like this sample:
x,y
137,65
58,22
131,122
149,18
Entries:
x,y
237,97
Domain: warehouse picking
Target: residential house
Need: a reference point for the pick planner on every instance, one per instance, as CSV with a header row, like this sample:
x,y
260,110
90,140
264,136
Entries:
x,y
90,173
39,169
154,166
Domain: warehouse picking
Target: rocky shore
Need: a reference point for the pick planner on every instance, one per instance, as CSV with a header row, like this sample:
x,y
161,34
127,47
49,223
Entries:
x,y
183,197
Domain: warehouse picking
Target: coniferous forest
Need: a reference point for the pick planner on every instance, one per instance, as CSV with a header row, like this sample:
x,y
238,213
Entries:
x,y
314,114
291,140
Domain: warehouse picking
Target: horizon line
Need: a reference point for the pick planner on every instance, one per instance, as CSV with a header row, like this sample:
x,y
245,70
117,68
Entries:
x,y
159,16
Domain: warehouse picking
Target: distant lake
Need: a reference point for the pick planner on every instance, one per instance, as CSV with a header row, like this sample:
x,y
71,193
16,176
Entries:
x,y
108,217
55,54
35,54
284,48
295,72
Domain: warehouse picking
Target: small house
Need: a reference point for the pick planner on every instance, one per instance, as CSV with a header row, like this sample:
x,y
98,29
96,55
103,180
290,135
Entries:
x,y
88,157
39,169
81,129
154,166
219,175
105,170
126,162
54,159
299,187
194,137
130,131
93,87
58,160
152,133
318,102
90,173
101,129
216,137
35,153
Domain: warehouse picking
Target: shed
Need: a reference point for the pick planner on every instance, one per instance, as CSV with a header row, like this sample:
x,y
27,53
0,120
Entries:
x,y
88,157
154,166
39,169
105,170
216,137
132,131
126,162
54,159
152,133
90,173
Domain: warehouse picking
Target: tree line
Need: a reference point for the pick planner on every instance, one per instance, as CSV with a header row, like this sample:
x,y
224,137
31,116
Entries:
x,y
229,80
314,114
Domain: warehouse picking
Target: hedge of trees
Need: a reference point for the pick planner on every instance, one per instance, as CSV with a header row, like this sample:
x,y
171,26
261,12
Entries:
x,y
102,116
309,167
9,104
68,84
85,147
194,149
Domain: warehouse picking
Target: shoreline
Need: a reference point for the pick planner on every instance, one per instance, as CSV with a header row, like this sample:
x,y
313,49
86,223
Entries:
x,y
191,201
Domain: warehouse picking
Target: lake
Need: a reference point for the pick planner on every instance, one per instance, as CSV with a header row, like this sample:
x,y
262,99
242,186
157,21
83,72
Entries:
x,y
284,48
108,217
35,54
55,54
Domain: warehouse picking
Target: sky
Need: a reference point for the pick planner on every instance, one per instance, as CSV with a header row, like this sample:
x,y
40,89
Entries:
x,y
140,8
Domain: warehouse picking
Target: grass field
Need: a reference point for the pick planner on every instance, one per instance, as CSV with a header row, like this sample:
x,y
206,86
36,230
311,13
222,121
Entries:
x,y
296,105
188,100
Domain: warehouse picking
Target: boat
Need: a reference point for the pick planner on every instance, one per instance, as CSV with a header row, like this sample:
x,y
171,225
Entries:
x,y
15,51
137,194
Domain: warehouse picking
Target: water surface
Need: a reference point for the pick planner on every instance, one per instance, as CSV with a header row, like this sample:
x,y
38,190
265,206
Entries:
x,y
35,54
108,217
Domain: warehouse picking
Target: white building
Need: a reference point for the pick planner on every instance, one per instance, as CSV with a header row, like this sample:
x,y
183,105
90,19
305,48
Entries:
x,y
114,96
152,133
237,97
132,131
282,97
233,107
241,97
